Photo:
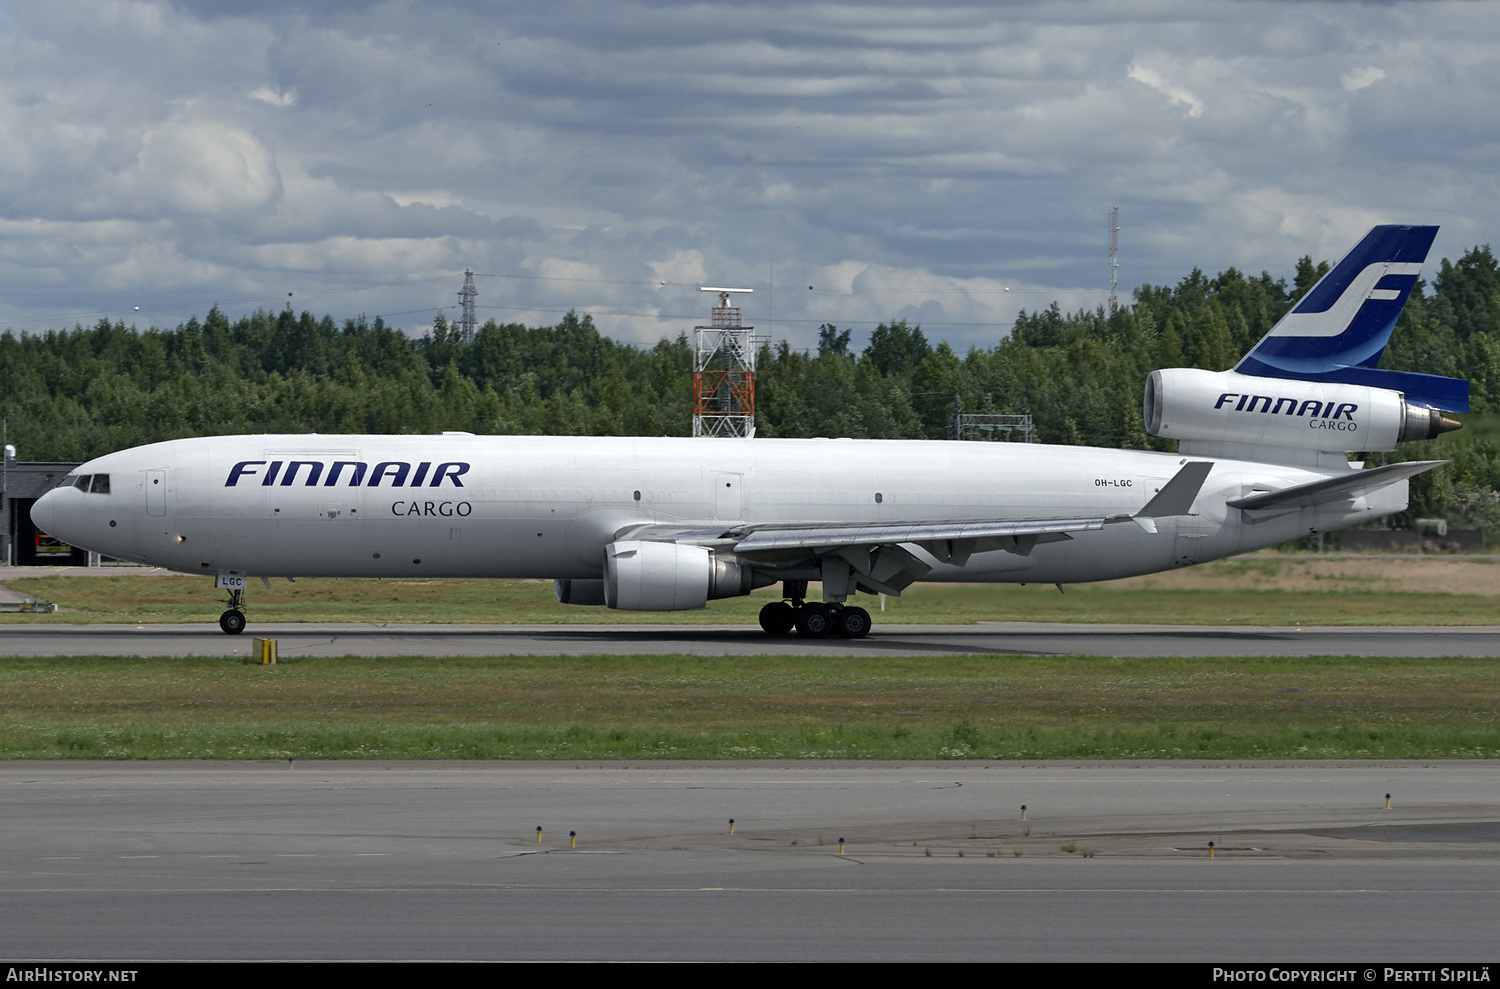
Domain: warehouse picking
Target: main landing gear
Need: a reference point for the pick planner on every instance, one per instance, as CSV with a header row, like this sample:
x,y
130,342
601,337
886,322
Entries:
x,y
233,620
815,620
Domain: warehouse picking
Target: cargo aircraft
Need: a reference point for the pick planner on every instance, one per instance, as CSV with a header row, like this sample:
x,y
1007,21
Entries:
x,y
665,524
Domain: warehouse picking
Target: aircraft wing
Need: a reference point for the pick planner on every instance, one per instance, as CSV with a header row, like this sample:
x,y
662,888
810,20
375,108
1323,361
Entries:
x,y
881,552
1343,486
942,539
882,556
1002,534
792,539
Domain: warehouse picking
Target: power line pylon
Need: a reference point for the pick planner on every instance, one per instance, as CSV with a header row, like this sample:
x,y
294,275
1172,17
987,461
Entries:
x,y
724,371
466,296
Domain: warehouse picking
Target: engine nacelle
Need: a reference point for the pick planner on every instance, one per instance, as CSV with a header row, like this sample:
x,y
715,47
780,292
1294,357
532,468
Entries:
x,y
1225,407
652,576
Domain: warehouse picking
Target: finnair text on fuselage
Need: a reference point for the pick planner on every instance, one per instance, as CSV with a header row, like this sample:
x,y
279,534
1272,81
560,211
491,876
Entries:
x,y
1327,410
396,471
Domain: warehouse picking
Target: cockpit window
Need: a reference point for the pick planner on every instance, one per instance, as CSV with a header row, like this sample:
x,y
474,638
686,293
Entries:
x,y
92,483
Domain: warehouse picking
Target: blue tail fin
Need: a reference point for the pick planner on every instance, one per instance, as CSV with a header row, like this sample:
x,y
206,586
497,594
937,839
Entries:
x,y
1337,332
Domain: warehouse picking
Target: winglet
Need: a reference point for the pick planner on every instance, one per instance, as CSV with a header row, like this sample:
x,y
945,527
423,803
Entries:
x,y
1178,495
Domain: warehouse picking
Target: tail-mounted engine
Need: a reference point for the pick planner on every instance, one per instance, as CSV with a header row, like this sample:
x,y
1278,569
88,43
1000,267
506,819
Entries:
x,y
1225,407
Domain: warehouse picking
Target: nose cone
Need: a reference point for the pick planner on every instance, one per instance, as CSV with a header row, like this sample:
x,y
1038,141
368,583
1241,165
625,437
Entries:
x,y
44,512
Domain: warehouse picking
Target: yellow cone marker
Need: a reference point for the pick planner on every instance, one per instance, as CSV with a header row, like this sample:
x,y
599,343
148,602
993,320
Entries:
x,y
538,834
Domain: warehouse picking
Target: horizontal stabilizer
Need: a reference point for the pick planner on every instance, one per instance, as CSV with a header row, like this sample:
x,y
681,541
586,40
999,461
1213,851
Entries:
x,y
1431,390
1331,488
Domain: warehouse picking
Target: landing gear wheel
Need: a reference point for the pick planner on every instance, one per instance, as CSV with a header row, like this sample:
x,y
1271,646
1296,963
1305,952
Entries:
x,y
777,618
853,623
232,622
814,621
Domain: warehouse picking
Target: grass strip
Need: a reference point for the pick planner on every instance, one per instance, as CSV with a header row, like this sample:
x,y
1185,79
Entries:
x,y
694,707
137,598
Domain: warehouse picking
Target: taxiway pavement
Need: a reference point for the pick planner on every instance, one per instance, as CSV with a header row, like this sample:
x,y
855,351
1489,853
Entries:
x,y
996,638
441,861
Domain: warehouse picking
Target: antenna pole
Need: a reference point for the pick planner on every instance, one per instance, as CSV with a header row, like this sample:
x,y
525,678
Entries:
x,y
1114,257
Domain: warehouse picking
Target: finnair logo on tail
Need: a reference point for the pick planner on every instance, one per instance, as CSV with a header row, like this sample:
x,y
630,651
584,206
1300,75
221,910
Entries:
x,y
358,474
1331,308
1338,330
1326,410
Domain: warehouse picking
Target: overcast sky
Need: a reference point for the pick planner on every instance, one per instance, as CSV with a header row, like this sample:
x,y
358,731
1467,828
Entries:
x,y
850,162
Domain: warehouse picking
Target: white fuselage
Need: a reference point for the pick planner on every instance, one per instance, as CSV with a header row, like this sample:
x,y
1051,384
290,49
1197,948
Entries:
x,y
546,507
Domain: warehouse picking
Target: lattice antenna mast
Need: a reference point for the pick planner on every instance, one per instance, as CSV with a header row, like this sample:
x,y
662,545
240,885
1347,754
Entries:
x,y
466,296
724,371
1114,257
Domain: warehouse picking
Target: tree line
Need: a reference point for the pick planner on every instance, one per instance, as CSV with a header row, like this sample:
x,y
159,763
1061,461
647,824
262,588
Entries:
x,y
76,393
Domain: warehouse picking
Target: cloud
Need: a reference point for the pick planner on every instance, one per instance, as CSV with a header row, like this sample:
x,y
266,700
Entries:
x,y
268,95
203,168
1361,78
916,159
1176,94
682,268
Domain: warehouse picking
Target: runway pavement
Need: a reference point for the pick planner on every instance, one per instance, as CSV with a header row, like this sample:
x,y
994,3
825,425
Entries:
x,y
441,861
998,638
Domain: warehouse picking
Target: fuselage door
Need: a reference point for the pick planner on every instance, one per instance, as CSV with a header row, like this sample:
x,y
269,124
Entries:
x,y
156,493
728,505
